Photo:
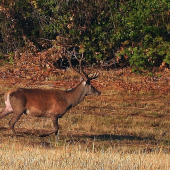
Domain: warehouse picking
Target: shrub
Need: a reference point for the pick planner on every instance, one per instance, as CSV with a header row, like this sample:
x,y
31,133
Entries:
x,y
138,30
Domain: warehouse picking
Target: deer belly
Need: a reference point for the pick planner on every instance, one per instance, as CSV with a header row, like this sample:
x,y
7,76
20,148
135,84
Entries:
x,y
35,112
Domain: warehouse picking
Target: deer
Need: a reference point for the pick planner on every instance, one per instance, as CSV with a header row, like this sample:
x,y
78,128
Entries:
x,y
48,103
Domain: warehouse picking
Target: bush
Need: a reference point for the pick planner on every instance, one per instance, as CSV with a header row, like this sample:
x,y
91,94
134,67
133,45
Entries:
x,y
137,31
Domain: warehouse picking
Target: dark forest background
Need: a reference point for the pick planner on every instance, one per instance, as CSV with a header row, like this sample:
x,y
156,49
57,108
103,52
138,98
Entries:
x,y
126,32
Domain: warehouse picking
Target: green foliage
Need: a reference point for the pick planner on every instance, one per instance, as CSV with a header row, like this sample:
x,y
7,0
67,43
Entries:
x,y
151,52
139,28
145,26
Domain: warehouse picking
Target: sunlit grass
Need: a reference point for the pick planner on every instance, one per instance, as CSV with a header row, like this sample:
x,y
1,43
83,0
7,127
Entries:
x,y
15,155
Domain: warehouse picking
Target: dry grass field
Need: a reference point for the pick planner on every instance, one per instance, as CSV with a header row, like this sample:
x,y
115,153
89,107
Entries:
x,y
126,127
17,154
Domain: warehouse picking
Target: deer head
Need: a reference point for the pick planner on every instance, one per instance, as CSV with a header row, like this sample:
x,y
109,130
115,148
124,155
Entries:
x,y
88,88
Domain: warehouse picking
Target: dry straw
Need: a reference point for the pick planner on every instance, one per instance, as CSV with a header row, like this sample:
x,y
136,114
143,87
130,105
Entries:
x,y
17,156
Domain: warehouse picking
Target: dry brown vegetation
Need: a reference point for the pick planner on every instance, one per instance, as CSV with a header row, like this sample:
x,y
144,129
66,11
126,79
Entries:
x,y
127,127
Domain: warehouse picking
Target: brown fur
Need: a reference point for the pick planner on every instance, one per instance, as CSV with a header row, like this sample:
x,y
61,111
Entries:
x,y
50,103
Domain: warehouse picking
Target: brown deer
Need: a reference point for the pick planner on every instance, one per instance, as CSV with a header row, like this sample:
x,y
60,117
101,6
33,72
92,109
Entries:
x,y
49,103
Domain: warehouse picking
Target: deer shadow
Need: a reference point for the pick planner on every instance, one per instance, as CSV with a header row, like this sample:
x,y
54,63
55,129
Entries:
x,y
111,137
21,132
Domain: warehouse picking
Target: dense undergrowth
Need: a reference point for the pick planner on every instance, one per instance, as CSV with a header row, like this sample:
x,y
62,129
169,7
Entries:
x,y
134,33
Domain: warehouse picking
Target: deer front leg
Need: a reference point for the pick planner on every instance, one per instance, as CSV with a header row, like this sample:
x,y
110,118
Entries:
x,y
55,123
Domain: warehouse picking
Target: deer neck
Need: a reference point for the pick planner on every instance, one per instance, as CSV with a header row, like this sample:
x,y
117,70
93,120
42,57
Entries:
x,y
76,95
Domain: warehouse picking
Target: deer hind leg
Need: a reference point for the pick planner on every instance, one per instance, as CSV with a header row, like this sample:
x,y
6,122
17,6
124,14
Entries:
x,y
14,119
5,112
8,109
18,110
